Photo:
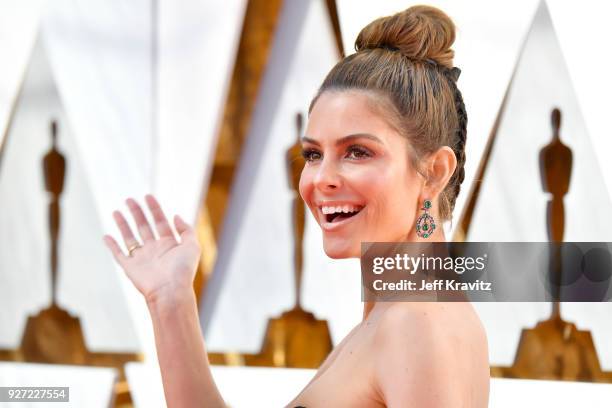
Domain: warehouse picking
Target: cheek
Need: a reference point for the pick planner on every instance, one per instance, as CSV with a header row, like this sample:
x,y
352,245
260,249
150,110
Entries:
x,y
306,186
391,194
369,181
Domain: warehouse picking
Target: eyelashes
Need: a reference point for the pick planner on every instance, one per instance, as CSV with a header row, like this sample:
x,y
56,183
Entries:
x,y
353,152
308,154
361,152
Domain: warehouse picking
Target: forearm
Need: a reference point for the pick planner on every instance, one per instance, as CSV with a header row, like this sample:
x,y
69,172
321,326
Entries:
x,y
181,351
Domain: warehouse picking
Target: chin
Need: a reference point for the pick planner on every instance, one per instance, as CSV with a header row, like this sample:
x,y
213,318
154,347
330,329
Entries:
x,y
341,249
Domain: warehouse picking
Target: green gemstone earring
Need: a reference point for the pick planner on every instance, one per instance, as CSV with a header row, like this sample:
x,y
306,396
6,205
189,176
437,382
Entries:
x,y
425,225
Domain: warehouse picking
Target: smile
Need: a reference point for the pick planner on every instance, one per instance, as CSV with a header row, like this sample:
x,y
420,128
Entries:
x,y
337,215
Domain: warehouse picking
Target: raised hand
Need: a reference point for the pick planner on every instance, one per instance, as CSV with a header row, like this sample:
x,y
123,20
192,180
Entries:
x,y
158,266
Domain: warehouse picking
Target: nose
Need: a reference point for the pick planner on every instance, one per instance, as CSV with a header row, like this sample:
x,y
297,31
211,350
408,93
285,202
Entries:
x,y
328,177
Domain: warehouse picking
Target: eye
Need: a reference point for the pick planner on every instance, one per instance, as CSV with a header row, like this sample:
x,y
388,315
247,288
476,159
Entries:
x,y
310,155
356,152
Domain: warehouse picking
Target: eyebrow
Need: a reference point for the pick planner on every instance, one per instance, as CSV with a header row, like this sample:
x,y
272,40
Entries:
x,y
344,139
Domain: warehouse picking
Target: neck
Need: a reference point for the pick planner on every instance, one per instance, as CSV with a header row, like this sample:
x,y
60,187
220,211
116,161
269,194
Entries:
x,y
439,236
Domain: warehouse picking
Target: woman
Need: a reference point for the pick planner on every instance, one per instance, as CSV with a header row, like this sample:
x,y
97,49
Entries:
x,y
386,132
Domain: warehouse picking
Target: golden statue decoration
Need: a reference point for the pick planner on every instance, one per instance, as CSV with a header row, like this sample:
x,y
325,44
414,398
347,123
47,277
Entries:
x,y
54,336
555,172
54,168
555,349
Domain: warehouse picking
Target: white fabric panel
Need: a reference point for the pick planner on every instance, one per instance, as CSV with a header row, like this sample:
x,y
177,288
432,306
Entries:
x,y
146,385
331,288
90,387
259,387
100,53
253,278
197,46
510,393
85,279
18,26
512,186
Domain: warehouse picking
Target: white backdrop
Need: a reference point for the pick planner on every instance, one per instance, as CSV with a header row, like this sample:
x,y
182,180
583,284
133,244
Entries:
x,y
512,205
87,280
18,27
140,113
97,66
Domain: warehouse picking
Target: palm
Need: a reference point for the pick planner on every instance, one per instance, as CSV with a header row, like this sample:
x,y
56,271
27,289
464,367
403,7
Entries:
x,y
158,264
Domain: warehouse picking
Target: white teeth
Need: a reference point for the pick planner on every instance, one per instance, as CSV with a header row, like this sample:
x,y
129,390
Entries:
x,y
328,210
340,209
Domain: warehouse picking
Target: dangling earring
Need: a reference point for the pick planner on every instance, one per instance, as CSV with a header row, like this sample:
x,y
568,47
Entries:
x,y
425,225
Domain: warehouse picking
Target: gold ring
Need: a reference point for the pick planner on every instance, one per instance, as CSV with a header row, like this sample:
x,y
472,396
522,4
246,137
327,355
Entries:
x,y
132,248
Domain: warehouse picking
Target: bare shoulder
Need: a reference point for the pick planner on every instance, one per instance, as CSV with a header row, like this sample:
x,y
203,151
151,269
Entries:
x,y
418,319
432,354
436,329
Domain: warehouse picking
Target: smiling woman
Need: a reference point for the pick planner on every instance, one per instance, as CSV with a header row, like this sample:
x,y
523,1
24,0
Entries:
x,y
385,140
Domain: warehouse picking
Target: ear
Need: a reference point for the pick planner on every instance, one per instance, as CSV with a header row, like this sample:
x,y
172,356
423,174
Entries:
x,y
441,165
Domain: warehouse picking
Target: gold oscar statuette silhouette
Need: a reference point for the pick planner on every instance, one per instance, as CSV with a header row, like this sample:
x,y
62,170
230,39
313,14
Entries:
x,y
54,336
555,349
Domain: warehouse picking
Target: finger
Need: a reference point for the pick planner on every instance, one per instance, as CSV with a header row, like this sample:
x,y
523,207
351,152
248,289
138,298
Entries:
x,y
115,249
124,228
161,222
185,230
144,229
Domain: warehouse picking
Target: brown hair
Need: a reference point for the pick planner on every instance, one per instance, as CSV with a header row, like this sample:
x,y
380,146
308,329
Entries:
x,y
405,60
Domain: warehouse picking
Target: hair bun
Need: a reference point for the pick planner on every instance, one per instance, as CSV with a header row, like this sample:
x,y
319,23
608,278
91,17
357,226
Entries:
x,y
419,33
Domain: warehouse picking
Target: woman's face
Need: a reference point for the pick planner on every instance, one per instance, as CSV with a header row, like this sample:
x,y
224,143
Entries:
x,y
358,181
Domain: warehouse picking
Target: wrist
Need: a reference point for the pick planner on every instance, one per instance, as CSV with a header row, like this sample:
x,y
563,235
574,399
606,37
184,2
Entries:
x,y
170,297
